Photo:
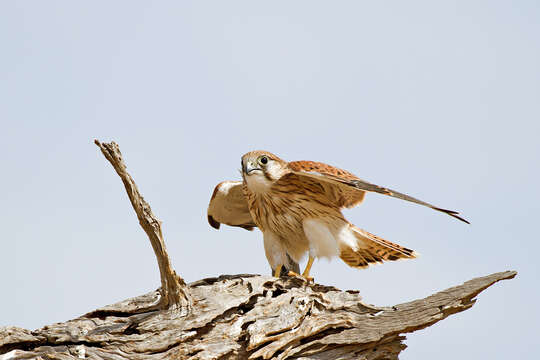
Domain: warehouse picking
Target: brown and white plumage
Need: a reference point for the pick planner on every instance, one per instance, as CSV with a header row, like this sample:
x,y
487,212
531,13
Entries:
x,y
297,206
228,206
346,181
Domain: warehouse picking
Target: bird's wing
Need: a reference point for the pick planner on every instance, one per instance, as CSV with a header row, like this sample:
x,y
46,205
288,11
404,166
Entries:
x,y
348,185
228,205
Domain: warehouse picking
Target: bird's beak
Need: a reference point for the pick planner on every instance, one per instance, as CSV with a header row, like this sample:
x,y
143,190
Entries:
x,y
249,167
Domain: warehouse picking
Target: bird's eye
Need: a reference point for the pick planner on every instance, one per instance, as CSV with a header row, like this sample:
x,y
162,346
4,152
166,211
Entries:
x,y
263,160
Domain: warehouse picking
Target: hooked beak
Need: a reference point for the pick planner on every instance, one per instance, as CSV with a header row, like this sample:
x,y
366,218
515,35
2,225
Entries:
x,y
249,168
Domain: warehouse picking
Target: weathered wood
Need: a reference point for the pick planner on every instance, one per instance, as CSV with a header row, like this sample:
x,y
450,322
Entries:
x,y
245,316
235,316
173,288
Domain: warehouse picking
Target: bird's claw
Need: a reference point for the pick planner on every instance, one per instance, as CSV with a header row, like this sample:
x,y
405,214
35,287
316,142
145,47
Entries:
x,y
308,279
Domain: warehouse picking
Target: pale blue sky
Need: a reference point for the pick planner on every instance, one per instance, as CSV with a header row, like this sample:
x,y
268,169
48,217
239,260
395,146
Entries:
x,y
440,100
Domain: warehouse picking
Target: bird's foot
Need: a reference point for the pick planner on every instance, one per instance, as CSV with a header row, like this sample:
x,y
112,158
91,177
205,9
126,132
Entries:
x,y
307,278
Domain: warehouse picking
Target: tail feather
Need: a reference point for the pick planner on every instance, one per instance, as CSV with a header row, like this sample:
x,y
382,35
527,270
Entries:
x,y
371,249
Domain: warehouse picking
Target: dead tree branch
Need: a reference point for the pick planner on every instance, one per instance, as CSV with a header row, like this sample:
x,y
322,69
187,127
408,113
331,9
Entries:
x,y
245,317
173,288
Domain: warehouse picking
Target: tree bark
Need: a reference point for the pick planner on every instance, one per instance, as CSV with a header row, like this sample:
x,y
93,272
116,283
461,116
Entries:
x,y
235,316
241,317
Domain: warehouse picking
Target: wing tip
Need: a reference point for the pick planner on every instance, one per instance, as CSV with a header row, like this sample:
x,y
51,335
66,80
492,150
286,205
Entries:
x,y
460,218
452,213
213,223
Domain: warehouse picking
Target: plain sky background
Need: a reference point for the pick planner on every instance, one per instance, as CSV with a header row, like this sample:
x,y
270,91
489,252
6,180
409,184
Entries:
x,y
440,100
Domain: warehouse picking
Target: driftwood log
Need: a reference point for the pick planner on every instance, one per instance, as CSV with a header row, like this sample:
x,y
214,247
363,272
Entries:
x,y
235,316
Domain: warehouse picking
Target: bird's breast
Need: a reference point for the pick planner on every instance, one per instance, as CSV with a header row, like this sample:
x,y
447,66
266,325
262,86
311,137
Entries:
x,y
283,208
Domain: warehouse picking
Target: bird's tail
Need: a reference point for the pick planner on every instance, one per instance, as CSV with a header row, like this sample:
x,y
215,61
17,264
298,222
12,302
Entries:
x,y
371,249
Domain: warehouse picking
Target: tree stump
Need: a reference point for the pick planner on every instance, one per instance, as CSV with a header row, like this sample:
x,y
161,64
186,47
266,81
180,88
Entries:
x,y
235,316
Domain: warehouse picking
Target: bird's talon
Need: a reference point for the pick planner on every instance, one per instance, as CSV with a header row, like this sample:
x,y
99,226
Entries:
x,y
307,278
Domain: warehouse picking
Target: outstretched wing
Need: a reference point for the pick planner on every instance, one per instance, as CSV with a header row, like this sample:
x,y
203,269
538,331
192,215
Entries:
x,y
228,205
348,184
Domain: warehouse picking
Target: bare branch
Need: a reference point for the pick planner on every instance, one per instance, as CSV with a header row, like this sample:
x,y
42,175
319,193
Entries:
x,y
246,316
174,291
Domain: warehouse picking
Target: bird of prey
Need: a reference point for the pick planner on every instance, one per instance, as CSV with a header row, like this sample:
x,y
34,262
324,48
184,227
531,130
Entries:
x,y
297,206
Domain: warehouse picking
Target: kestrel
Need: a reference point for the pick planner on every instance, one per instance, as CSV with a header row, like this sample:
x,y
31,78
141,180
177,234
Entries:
x,y
297,206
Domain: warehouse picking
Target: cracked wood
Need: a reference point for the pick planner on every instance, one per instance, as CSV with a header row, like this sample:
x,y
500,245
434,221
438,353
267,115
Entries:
x,y
245,316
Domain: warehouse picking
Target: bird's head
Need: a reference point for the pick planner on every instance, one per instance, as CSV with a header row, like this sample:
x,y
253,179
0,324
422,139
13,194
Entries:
x,y
260,169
